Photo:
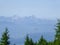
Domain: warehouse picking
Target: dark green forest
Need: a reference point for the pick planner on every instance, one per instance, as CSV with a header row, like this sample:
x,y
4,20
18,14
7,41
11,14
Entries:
x,y
29,41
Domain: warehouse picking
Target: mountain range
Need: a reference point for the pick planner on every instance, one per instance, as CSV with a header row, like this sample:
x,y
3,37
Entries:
x,y
19,27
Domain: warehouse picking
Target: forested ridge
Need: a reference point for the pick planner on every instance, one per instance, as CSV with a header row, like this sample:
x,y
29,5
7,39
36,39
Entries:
x,y
29,41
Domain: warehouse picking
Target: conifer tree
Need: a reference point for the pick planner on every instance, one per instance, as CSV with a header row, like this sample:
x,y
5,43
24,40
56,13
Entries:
x,y
50,43
27,41
5,38
42,41
35,43
57,36
31,42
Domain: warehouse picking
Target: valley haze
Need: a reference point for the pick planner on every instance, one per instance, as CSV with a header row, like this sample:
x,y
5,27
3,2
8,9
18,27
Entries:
x,y
20,27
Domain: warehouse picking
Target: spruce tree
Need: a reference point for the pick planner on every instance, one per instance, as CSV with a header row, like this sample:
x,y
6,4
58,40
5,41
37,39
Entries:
x,y
42,41
27,41
57,36
31,42
35,43
5,38
50,43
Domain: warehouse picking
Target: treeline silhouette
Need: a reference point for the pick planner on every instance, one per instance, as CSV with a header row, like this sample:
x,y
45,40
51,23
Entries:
x,y
29,41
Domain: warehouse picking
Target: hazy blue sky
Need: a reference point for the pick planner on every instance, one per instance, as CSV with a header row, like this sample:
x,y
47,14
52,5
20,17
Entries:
x,y
49,9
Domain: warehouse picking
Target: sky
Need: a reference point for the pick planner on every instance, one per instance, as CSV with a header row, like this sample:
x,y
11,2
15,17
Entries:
x,y
45,9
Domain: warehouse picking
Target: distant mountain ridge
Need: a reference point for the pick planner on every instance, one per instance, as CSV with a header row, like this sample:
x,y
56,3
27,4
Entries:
x,y
19,27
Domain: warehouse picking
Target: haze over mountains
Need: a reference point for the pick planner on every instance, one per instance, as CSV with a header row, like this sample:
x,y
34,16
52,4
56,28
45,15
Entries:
x,y
19,27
